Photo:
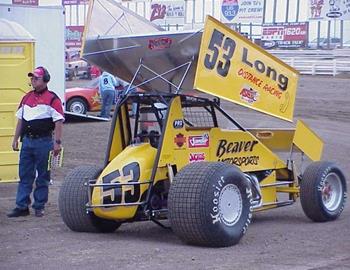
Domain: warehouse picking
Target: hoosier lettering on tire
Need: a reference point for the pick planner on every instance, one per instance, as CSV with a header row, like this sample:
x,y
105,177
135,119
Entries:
x,y
210,204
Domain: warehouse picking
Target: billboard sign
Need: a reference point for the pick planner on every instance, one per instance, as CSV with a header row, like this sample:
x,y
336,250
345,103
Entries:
x,y
74,36
328,10
25,2
284,35
242,11
167,12
74,2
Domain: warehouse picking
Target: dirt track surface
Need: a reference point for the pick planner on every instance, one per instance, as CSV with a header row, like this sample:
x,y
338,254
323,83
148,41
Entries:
x,y
278,239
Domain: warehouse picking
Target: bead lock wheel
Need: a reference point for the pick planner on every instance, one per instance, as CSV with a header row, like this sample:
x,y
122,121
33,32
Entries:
x,y
230,204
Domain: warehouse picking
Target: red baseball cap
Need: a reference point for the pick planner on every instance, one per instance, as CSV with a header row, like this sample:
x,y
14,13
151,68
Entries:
x,y
38,72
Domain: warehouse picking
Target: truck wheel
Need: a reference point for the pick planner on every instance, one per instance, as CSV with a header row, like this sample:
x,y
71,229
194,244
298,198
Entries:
x,y
77,105
323,191
72,200
210,204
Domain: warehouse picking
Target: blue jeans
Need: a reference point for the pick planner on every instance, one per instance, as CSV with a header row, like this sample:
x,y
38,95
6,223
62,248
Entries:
x,y
108,98
33,163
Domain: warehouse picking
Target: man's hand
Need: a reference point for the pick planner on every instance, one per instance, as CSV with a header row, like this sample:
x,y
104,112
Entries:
x,y
56,149
15,145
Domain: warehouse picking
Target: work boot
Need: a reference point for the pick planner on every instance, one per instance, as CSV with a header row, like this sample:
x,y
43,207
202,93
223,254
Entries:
x,y
39,212
18,212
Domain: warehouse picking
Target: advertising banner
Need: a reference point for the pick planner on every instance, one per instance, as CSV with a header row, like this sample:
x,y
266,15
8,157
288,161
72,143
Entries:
x,y
74,2
167,12
329,9
242,11
233,68
74,36
25,2
284,35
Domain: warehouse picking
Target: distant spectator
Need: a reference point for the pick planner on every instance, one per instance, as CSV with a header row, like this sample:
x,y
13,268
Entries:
x,y
107,86
95,72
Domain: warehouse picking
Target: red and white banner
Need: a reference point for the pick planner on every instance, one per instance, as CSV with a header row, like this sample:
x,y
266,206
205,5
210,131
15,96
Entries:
x,y
284,35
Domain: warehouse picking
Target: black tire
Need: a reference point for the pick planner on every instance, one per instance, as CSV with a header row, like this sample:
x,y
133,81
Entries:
x,y
77,105
323,191
210,204
72,200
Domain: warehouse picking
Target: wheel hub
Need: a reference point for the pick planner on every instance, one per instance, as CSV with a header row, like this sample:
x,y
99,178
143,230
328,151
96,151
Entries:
x,y
332,192
230,204
77,107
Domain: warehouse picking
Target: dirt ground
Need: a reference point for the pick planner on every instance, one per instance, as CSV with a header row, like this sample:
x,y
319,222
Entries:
x,y
278,239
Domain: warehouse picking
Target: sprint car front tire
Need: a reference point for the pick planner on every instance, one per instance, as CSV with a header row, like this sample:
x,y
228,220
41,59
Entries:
x,y
323,191
72,200
210,204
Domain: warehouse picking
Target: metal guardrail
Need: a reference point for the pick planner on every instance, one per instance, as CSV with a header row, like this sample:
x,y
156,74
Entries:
x,y
317,62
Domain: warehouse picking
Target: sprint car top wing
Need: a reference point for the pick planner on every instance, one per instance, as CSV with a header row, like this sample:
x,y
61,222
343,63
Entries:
x,y
233,68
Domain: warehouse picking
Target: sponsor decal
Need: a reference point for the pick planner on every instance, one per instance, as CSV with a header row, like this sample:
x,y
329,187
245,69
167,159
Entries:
x,y
249,95
159,43
226,147
96,99
197,157
251,78
198,141
178,123
180,140
268,71
241,161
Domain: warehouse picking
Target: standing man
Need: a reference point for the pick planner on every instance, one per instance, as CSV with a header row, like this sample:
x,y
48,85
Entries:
x,y
107,85
40,119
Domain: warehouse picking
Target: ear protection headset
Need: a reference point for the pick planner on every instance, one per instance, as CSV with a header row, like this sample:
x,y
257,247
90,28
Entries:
x,y
46,77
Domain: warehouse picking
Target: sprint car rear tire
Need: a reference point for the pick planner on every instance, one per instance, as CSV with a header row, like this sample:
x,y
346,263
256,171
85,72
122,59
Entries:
x,y
323,191
72,200
210,204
